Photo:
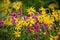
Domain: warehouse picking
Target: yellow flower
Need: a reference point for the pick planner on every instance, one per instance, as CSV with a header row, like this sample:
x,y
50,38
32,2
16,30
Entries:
x,y
39,17
7,2
54,38
44,33
32,31
43,10
17,34
8,22
17,5
48,19
31,21
19,24
53,5
31,10
58,33
18,28
56,15
25,23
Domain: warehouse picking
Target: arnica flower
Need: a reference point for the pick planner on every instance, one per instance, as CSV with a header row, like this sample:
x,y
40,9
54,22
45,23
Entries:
x,y
43,10
31,10
31,21
25,23
32,31
58,33
6,2
45,33
17,5
56,15
19,23
39,18
53,5
17,34
48,19
8,22
54,37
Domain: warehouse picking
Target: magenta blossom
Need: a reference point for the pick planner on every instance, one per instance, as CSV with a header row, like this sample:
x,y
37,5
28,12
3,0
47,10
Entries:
x,y
13,21
28,15
1,23
34,16
25,18
14,15
45,24
29,29
37,26
20,11
37,37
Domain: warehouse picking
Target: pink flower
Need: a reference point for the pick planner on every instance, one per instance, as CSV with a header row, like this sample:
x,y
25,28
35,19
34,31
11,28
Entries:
x,y
34,16
1,23
20,11
14,15
29,29
37,27
28,15
45,24
37,37
25,18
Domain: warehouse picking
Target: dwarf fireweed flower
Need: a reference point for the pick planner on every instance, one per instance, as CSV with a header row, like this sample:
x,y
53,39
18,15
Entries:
x,y
1,22
14,15
25,18
37,37
29,29
37,26
20,12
